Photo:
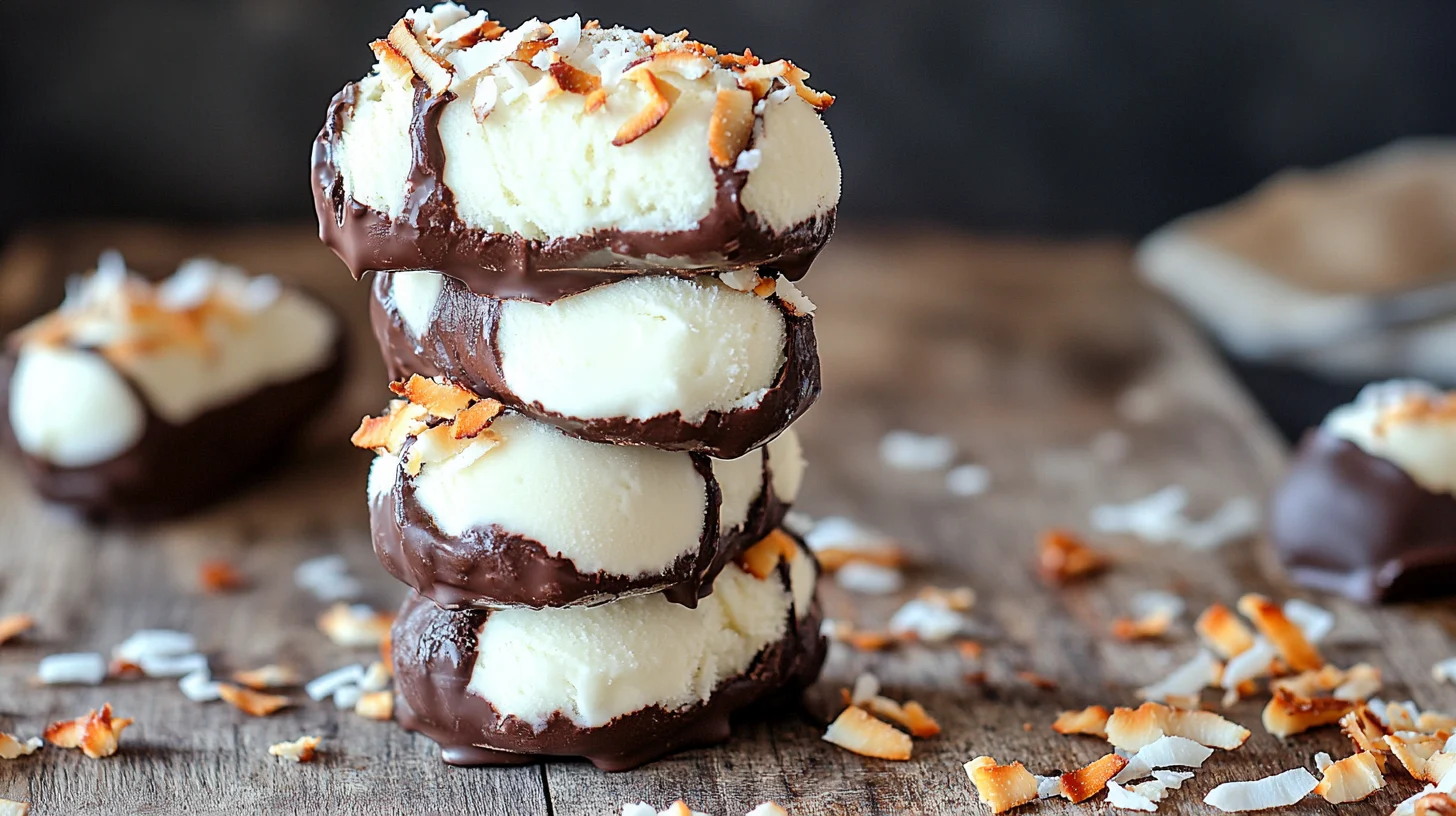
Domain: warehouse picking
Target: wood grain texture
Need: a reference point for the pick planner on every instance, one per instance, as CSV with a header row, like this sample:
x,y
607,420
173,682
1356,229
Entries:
x,y
1021,352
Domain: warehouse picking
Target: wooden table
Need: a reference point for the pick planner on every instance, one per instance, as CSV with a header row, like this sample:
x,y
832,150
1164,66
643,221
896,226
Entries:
x,y
1020,351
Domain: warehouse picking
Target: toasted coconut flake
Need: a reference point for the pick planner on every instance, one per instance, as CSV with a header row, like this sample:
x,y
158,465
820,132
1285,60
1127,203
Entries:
x,y
11,747
1164,752
1186,681
376,705
1397,716
757,78
684,63
1034,679
869,640
355,625
594,101
220,576
1361,682
574,80
730,127
1002,787
1222,630
1281,790
1351,779
959,599
1310,683
1084,783
1132,729
1288,639
1432,722
768,809
1063,557
1435,803
254,703
912,716
856,731
13,625
1091,720
97,734
436,73
1147,627
267,677
303,749
1365,730
1288,714
390,60
439,398
1414,752
387,433
763,558
1315,622
652,114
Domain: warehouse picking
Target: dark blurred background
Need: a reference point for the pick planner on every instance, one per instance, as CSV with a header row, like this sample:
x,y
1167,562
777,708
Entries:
x,y
1046,116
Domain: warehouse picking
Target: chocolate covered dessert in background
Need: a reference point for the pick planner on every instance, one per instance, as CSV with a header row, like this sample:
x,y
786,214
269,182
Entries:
x,y
1318,282
139,400
586,242
1369,506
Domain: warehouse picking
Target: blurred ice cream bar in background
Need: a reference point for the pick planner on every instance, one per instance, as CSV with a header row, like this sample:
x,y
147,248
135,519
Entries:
x,y
1319,281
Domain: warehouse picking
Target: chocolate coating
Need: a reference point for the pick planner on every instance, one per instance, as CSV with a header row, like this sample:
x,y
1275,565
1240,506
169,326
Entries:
x,y
494,567
176,469
435,654
461,345
1348,522
429,234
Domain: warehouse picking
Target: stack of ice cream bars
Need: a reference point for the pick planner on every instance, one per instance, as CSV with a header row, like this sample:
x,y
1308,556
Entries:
x,y
585,241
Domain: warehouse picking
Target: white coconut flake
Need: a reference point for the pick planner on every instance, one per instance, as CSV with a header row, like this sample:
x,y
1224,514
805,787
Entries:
x,y
785,290
1124,799
1316,623
80,668
1322,760
1157,518
1186,680
744,280
172,665
1164,752
1048,787
346,697
1251,663
1444,671
1157,602
457,31
928,622
866,687
1280,790
199,687
567,33
907,450
1172,780
325,685
327,578
748,161
1408,807
1235,520
154,643
841,533
968,480
869,579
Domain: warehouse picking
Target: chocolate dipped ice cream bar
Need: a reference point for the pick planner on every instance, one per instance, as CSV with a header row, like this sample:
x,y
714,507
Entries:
x,y
719,364
619,684
541,161
1368,508
505,511
142,400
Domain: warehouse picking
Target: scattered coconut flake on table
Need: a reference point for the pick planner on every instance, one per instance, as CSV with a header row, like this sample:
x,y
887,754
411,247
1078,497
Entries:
x,y
11,747
81,668
768,808
1280,790
866,688
927,621
1164,752
1255,661
1444,671
1187,680
869,579
907,450
1124,799
327,578
968,480
1157,602
153,665
148,643
1048,787
1160,519
1315,622
199,687
325,685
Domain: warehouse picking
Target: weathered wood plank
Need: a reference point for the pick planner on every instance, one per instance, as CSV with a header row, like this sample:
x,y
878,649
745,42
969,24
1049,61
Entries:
x,y
1021,352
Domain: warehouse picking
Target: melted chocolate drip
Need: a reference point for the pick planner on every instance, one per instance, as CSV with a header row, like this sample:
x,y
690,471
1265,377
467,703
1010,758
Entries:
x,y
429,234
460,344
1348,522
435,656
176,469
491,566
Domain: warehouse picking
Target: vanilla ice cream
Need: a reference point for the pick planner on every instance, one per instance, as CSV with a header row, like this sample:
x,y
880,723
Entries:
x,y
1409,423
